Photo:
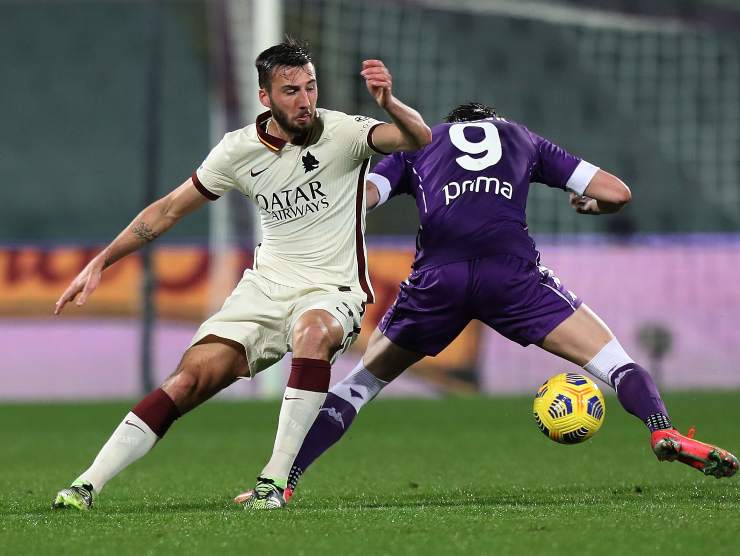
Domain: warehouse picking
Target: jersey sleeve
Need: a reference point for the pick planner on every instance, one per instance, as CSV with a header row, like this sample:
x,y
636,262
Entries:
x,y
213,178
357,133
556,167
391,177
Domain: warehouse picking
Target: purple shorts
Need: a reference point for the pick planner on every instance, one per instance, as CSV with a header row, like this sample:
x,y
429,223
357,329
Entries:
x,y
518,299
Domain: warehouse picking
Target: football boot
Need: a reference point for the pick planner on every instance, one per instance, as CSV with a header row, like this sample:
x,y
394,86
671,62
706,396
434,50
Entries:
x,y
79,496
671,445
266,495
244,496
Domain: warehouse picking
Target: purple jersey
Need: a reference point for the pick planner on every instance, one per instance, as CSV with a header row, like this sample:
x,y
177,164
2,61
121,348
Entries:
x,y
471,185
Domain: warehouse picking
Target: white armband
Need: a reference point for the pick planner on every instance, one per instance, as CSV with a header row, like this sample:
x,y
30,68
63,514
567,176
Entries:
x,y
581,177
383,185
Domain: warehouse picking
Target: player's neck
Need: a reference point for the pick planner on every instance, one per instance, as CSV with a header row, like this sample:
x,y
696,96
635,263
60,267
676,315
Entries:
x,y
274,129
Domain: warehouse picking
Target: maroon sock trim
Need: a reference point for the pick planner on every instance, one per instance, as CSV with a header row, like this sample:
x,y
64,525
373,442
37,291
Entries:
x,y
157,410
309,374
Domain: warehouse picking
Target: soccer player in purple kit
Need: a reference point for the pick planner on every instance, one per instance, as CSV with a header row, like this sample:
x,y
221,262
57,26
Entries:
x,y
476,260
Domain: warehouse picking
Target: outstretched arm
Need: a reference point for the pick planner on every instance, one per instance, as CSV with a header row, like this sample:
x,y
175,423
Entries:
x,y
408,132
149,224
604,194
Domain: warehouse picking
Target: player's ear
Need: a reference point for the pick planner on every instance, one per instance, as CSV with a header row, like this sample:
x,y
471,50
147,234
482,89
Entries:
x,y
265,98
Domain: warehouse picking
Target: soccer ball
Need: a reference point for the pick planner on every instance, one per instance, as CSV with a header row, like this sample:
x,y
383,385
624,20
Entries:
x,y
569,408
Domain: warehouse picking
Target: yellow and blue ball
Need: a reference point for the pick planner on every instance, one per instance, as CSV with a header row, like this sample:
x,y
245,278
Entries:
x,y
569,408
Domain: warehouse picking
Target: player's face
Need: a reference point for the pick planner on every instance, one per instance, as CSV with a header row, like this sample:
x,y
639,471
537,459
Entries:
x,y
292,98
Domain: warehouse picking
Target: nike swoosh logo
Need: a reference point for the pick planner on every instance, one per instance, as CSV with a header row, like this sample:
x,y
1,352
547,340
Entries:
x,y
134,425
287,398
255,174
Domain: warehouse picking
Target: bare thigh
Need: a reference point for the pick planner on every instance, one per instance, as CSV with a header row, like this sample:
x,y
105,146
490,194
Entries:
x,y
205,369
579,337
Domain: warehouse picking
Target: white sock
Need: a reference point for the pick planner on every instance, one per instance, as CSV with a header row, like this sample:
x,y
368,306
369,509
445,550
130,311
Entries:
x,y
359,387
610,358
297,414
131,440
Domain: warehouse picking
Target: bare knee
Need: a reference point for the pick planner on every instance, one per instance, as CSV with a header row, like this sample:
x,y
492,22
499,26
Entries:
x,y
316,336
312,338
185,386
579,337
203,371
181,384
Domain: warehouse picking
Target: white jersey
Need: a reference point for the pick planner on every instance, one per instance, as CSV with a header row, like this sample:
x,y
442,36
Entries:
x,y
311,198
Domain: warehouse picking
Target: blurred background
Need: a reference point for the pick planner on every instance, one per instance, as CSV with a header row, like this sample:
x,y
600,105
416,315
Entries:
x,y
107,104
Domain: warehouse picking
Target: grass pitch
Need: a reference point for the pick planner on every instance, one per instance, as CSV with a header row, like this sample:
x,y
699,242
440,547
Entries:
x,y
455,476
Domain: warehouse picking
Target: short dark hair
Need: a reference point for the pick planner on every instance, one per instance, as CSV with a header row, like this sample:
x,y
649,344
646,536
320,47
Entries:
x,y
291,52
470,112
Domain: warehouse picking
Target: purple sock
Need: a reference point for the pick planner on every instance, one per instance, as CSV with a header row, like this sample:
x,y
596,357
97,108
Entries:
x,y
333,420
639,395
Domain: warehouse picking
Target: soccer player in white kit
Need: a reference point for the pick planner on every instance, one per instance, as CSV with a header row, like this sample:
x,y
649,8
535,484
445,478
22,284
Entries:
x,y
304,167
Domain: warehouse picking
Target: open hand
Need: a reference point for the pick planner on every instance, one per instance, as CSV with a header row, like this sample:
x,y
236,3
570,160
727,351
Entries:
x,y
86,282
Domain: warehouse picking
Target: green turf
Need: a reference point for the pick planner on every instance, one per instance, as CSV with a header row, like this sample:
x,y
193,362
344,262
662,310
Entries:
x,y
456,476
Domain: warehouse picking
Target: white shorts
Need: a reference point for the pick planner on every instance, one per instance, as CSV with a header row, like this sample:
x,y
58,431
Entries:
x,y
260,315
